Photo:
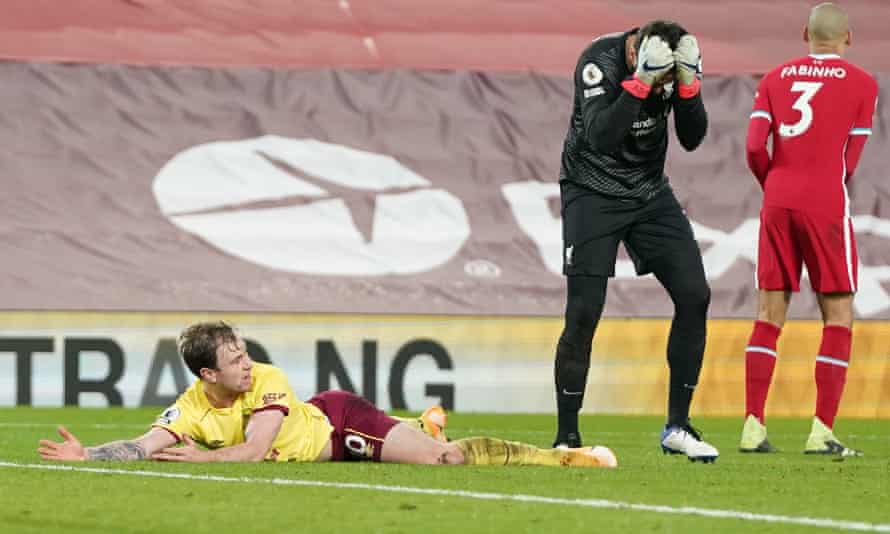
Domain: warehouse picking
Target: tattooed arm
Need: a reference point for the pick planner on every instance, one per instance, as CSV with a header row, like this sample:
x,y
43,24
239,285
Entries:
x,y
136,449
116,450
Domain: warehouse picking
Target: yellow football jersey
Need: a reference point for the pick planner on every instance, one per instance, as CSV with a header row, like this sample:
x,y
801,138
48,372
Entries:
x,y
304,431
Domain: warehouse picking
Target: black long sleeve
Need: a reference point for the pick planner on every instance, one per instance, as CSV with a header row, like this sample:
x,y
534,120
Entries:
x,y
690,120
606,128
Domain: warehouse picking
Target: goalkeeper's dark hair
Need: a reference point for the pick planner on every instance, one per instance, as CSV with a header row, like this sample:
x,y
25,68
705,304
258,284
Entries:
x,y
668,30
197,344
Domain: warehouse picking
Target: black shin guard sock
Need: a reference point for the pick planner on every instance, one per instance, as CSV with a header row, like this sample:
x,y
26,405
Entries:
x,y
679,399
571,380
586,297
689,290
685,352
686,346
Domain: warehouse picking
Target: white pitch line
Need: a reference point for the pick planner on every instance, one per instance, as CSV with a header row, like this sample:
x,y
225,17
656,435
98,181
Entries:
x,y
859,526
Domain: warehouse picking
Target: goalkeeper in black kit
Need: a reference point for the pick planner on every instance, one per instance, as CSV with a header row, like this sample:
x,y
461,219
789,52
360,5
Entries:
x,y
613,189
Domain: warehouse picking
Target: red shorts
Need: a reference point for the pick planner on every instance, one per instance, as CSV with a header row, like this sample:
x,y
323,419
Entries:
x,y
789,238
359,426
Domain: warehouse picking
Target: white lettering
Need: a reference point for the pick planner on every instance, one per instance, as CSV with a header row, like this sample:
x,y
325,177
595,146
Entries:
x,y
356,444
648,123
814,71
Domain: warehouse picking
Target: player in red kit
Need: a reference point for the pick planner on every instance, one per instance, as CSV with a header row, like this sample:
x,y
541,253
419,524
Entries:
x,y
819,111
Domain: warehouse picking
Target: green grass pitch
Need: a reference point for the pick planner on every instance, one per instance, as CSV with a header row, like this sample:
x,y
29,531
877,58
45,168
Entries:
x,y
801,493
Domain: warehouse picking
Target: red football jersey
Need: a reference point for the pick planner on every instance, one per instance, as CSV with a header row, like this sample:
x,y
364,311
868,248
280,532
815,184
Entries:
x,y
814,105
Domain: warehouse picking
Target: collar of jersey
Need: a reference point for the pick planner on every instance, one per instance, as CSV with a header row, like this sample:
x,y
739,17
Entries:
x,y
825,56
206,400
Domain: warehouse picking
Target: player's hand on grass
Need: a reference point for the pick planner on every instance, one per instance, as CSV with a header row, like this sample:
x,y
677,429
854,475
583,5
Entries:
x,y
688,59
654,60
187,452
67,451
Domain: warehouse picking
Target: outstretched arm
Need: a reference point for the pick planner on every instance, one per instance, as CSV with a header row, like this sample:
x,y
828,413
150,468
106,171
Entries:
x,y
260,435
70,449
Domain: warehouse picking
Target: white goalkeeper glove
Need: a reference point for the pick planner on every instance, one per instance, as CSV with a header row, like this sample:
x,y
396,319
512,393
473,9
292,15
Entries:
x,y
654,60
688,59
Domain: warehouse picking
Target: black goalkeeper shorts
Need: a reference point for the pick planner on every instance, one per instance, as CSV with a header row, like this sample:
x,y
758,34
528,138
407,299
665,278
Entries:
x,y
593,225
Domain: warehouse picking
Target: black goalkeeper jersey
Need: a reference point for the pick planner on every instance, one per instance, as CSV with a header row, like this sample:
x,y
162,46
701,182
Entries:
x,y
616,143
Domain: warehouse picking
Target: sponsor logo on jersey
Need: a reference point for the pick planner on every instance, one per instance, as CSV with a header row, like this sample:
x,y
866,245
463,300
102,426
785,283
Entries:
x,y
270,398
643,127
594,91
648,123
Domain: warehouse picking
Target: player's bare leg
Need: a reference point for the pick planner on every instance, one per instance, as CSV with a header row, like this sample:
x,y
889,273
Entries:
x,y
837,309
431,422
831,372
406,444
760,362
772,306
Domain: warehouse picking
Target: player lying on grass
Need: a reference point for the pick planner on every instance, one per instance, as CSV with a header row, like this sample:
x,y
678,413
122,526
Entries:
x,y
243,411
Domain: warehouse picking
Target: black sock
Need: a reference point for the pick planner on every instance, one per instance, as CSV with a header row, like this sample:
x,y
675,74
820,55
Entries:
x,y
679,399
686,347
584,305
571,380
689,290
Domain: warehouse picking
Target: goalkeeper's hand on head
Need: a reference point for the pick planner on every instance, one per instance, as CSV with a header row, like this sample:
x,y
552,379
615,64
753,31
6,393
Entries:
x,y
688,59
654,60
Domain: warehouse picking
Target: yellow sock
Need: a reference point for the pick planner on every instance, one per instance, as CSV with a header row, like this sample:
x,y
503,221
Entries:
x,y
494,451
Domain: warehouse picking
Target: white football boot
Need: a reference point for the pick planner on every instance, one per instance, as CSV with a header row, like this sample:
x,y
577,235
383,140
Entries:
x,y
686,440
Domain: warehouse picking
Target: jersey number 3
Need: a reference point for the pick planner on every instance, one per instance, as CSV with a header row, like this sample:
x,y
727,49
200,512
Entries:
x,y
807,91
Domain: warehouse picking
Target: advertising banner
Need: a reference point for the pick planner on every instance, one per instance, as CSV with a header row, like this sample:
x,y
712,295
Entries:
x,y
162,189
470,364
